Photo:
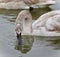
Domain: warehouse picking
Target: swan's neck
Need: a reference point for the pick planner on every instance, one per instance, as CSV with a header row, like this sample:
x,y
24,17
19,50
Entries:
x,y
27,26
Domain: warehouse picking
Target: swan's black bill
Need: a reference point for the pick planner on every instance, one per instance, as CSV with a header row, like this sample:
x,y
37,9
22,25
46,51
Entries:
x,y
31,9
19,38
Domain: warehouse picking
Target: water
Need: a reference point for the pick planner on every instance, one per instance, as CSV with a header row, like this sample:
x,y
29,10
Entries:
x,y
31,46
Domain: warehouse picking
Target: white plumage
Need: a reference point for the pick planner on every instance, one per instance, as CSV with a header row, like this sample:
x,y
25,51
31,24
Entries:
x,y
45,25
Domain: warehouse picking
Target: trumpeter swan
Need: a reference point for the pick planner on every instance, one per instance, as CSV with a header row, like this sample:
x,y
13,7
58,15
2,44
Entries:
x,y
40,27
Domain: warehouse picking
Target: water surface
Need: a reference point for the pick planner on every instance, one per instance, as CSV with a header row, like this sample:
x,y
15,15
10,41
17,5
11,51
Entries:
x,y
31,46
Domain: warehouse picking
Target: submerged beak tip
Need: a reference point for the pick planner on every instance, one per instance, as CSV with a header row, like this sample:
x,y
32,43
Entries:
x,y
18,35
19,38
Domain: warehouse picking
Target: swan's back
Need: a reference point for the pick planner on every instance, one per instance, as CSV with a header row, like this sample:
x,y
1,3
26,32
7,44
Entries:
x,y
41,21
29,2
53,23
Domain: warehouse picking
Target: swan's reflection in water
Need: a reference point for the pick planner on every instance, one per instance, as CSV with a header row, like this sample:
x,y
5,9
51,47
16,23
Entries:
x,y
26,44
39,46
29,42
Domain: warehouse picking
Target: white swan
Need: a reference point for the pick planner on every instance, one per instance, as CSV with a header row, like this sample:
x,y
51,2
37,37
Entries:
x,y
38,3
41,21
25,4
40,27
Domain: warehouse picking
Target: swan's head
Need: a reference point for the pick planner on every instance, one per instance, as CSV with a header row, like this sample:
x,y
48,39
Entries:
x,y
27,21
24,22
24,15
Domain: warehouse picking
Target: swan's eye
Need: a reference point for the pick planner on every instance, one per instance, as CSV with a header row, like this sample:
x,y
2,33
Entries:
x,y
26,18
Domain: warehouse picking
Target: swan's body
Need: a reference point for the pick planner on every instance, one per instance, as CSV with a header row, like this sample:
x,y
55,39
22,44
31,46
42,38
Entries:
x,y
24,4
38,3
41,21
41,26
53,23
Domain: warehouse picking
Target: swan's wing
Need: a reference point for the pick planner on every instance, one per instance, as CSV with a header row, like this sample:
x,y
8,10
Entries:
x,y
53,23
41,21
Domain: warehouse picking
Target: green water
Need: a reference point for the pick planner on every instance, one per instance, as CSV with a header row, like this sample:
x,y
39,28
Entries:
x,y
31,46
